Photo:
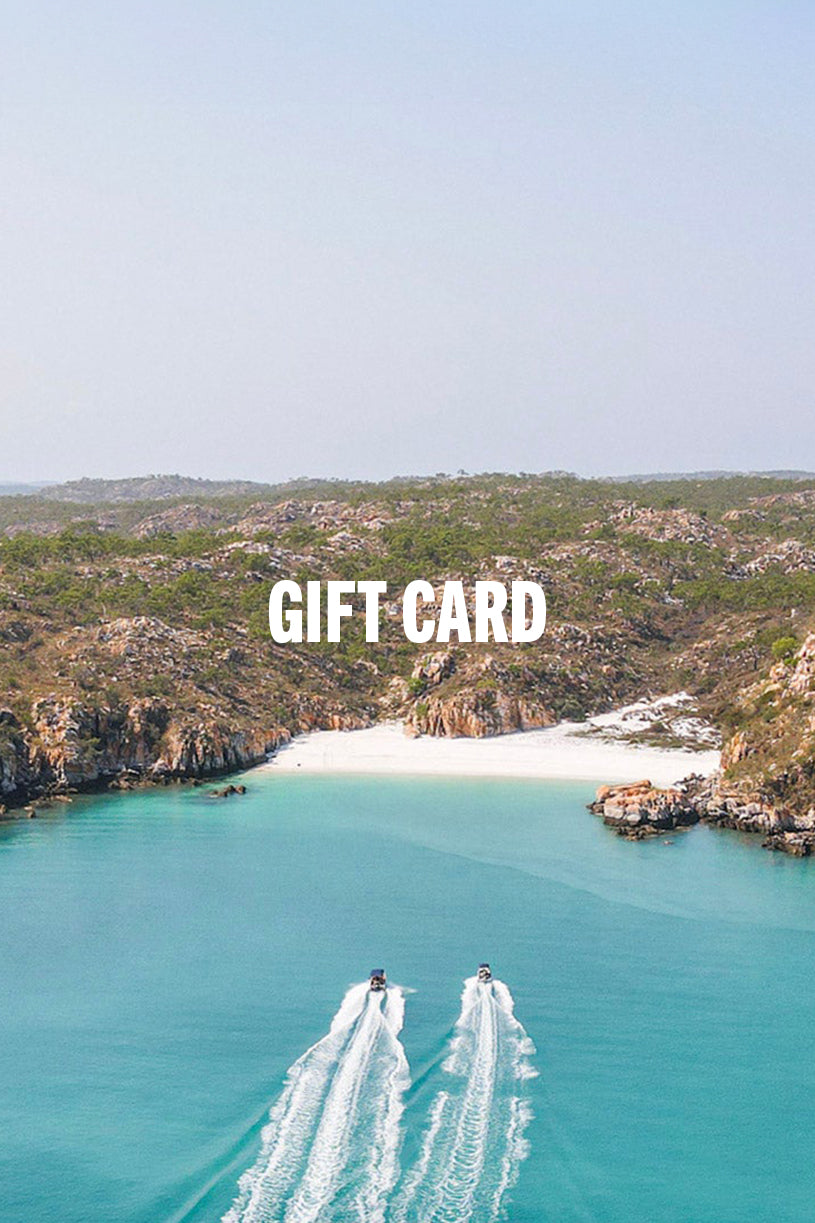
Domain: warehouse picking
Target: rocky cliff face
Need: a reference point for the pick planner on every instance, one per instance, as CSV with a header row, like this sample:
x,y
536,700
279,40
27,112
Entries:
x,y
471,699
767,783
78,747
16,772
72,745
476,715
204,748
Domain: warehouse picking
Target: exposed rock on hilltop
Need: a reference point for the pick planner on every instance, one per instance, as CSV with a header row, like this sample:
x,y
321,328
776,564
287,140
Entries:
x,y
790,556
177,520
141,641
670,524
804,498
432,670
263,516
330,517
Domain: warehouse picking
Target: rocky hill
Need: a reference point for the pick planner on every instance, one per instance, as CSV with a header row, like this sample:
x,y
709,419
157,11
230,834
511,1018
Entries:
x,y
144,488
134,638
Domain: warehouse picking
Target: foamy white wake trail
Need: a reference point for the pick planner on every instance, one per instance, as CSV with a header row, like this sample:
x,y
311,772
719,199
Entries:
x,y
474,1143
331,1145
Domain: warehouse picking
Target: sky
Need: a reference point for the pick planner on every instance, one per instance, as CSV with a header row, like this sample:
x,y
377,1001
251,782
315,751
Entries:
x,y
268,240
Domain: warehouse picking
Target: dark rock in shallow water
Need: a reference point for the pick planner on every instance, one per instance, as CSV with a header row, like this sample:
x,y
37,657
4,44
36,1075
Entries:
x,y
227,791
798,844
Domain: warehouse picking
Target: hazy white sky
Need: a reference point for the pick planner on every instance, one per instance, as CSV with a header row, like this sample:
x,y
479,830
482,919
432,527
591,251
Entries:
x,y
273,239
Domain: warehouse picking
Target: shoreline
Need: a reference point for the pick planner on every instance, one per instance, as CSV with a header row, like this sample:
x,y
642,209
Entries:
x,y
607,749
563,752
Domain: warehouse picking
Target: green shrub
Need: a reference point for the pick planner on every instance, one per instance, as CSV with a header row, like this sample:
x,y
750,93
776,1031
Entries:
x,y
783,649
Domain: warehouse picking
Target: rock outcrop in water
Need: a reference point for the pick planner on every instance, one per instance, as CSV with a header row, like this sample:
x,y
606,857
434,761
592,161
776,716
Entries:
x,y
797,844
641,810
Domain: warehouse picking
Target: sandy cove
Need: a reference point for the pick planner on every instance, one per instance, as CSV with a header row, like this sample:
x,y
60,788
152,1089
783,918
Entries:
x,y
565,752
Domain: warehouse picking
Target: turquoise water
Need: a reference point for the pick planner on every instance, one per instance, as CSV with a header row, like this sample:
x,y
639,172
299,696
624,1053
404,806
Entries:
x,y
166,958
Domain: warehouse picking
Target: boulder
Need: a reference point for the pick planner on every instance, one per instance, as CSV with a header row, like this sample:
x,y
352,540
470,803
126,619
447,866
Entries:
x,y
639,809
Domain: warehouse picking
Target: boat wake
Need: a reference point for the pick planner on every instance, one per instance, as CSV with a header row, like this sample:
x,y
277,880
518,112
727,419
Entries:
x,y
474,1141
330,1148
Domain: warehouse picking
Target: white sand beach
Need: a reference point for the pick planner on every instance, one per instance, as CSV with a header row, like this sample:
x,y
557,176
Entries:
x,y
586,751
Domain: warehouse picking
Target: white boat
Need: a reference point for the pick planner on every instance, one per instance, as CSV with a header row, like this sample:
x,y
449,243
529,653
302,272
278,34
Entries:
x,y
378,980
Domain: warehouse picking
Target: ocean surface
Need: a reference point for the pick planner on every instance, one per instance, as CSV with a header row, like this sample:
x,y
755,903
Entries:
x,y
185,1031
